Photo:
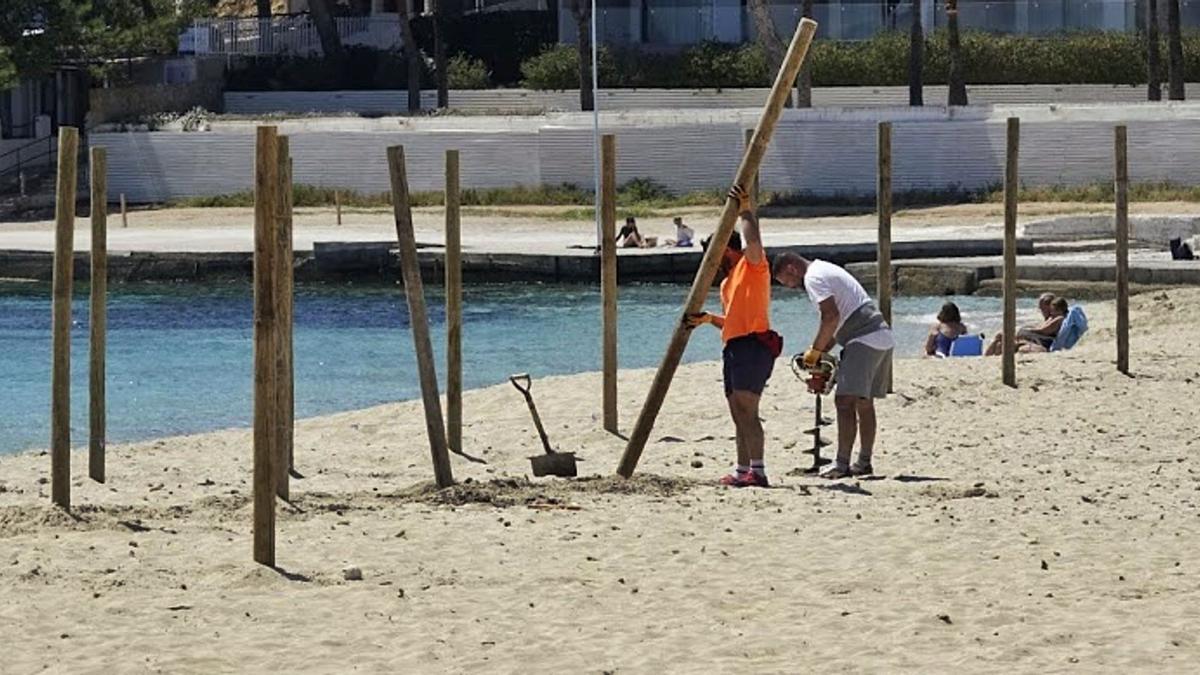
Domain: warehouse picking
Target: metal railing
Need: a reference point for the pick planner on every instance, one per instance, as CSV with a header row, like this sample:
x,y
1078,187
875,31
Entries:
x,y
21,162
295,35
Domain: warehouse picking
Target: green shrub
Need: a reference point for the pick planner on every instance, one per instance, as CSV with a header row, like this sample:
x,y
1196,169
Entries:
x,y
642,190
464,72
558,68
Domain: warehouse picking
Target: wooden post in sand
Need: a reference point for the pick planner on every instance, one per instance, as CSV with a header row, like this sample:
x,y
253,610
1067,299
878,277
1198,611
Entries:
x,y
703,282
410,268
64,271
124,217
266,202
285,411
753,190
453,305
883,201
99,314
337,203
1122,198
1011,187
608,278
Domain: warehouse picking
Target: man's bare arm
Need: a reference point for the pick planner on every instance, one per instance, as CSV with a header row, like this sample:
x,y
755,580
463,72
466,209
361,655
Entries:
x,y
825,339
753,250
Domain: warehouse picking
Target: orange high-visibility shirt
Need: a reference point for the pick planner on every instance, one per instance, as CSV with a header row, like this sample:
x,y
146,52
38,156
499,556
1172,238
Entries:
x,y
746,299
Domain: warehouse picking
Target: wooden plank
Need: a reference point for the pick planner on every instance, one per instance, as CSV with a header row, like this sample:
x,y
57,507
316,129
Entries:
x,y
703,281
608,278
284,291
266,186
413,289
454,386
98,321
63,276
883,201
755,183
1011,186
1122,205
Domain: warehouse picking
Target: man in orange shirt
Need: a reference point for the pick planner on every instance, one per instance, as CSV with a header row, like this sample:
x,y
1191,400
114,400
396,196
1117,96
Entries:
x,y
751,347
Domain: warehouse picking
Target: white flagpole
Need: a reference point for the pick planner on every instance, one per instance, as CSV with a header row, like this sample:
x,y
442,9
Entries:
x,y
596,124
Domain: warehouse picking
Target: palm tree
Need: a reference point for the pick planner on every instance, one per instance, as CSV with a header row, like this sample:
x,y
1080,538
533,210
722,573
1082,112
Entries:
x,y
916,57
582,11
1174,53
764,29
804,84
412,53
1153,57
958,87
322,16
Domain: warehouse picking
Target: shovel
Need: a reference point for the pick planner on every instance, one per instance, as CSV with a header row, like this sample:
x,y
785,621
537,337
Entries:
x,y
552,463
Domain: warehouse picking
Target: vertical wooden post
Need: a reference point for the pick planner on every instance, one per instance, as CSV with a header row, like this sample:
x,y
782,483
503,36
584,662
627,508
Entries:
x,y
754,184
410,268
64,264
453,305
284,291
266,186
337,203
883,201
1011,188
707,272
99,314
1122,194
608,277
124,216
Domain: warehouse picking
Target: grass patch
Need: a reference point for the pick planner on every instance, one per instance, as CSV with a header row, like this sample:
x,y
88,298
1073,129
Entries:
x,y
644,198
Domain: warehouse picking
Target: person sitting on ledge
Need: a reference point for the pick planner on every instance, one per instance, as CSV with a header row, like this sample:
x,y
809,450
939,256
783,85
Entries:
x,y
1033,339
633,238
683,235
943,334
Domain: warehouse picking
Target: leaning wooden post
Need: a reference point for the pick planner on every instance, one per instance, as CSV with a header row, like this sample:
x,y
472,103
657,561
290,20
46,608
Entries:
x,y
284,291
608,277
337,203
1011,187
266,186
453,306
99,314
754,184
124,217
410,268
64,263
784,82
883,200
1122,193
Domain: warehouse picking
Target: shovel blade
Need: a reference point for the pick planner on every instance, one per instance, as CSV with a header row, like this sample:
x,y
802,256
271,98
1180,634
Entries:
x,y
556,464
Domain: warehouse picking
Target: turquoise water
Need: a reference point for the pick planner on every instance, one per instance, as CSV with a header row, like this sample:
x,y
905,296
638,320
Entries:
x,y
179,357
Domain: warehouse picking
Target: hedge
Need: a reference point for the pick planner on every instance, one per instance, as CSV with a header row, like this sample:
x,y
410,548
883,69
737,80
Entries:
x,y
1079,58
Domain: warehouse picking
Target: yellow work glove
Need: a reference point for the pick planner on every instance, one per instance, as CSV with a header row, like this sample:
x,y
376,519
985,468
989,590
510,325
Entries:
x,y
812,357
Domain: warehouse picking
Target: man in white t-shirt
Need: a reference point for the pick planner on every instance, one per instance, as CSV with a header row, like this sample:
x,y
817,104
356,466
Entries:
x,y
848,318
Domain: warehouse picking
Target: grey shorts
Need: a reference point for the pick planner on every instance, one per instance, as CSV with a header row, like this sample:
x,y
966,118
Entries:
x,y
864,372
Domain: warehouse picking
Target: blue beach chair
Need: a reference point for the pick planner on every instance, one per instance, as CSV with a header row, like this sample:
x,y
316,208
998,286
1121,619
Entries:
x,y
1073,328
967,345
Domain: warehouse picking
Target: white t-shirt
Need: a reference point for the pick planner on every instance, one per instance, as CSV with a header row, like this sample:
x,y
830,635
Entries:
x,y
825,280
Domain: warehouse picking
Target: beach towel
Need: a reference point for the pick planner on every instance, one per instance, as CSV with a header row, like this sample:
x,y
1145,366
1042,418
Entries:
x,y
1072,329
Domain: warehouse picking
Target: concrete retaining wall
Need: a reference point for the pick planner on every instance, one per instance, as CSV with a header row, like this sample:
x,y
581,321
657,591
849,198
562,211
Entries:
x,y
824,152
128,103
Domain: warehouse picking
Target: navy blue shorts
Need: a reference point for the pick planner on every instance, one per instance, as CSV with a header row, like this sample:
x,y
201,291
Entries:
x,y
747,365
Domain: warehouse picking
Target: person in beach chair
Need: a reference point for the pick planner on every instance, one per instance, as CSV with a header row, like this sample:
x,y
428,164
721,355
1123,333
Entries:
x,y
1034,338
1073,327
751,347
944,333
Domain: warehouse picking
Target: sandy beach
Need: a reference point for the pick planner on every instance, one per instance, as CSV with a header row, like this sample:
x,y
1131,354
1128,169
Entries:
x,y
1047,528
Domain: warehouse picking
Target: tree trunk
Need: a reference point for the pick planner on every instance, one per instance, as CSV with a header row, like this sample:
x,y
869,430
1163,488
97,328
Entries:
x,y
582,11
958,86
764,29
264,9
1153,55
440,62
804,84
322,16
916,58
412,54
1174,53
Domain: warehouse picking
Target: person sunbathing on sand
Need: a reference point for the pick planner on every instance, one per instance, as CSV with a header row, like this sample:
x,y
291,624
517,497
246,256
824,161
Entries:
x,y
1038,338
